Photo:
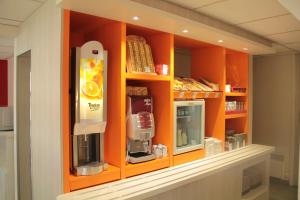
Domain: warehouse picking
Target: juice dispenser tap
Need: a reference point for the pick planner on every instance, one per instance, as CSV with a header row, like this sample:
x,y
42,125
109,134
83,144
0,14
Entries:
x,y
88,107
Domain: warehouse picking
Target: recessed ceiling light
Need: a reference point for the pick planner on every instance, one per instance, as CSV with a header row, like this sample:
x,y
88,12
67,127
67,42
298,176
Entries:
x,y
136,18
220,41
185,31
246,49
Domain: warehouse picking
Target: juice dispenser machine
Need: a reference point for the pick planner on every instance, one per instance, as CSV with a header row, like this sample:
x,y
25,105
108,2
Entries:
x,y
88,107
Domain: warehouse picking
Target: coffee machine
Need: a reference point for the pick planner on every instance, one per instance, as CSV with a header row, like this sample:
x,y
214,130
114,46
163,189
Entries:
x,y
88,107
140,129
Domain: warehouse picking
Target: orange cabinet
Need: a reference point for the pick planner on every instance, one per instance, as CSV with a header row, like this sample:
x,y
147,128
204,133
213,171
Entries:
x,y
208,61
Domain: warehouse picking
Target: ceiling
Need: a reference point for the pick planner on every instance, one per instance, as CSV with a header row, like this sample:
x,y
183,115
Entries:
x,y
268,18
12,14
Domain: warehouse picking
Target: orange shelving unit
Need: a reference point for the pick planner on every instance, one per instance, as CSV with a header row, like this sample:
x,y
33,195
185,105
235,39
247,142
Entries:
x,y
208,61
237,76
77,31
160,89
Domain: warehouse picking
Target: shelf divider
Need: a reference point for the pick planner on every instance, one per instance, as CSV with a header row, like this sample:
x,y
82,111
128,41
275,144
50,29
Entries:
x,y
235,115
147,77
236,94
144,167
79,182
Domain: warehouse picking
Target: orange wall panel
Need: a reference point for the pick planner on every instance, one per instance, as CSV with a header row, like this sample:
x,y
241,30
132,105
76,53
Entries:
x,y
112,36
237,74
209,63
237,69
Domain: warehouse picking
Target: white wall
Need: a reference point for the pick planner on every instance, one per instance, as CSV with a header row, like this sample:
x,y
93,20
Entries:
x,y
274,97
10,62
41,33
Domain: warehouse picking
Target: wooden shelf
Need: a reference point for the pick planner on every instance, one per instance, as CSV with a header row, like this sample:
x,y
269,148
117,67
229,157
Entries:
x,y
147,77
235,115
144,167
236,94
196,95
79,182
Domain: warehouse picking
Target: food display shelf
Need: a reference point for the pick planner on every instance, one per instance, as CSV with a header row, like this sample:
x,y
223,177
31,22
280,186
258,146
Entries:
x,y
196,95
147,77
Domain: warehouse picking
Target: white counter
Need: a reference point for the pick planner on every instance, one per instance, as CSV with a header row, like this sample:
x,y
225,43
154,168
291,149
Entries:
x,y
212,178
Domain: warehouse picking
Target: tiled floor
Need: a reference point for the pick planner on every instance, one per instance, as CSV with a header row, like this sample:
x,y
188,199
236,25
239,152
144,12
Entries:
x,y
280,190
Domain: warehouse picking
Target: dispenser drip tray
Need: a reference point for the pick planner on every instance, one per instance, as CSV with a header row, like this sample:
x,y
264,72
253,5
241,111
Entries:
x,y
140,157
89,169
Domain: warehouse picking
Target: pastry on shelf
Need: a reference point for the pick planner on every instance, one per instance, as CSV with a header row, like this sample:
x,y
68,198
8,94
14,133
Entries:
x,y
213,86
179,85
197,86
189,84
136,91
139,56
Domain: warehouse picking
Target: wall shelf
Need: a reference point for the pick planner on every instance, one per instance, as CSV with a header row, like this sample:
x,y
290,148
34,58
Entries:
x,y
235,115
183,95
147,77
144,167
78,182
236,94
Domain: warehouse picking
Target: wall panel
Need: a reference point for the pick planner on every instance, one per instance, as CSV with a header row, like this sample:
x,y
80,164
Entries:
x,y
41,33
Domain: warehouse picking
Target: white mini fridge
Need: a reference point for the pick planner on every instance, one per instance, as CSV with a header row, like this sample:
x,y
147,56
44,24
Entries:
x,y
189,125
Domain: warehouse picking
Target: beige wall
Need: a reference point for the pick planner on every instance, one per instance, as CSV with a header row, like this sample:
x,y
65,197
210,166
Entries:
x,y
297,118
41,33
274,90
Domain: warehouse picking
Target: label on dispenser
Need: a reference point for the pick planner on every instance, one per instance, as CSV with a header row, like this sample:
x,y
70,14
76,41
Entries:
x,y
91,89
